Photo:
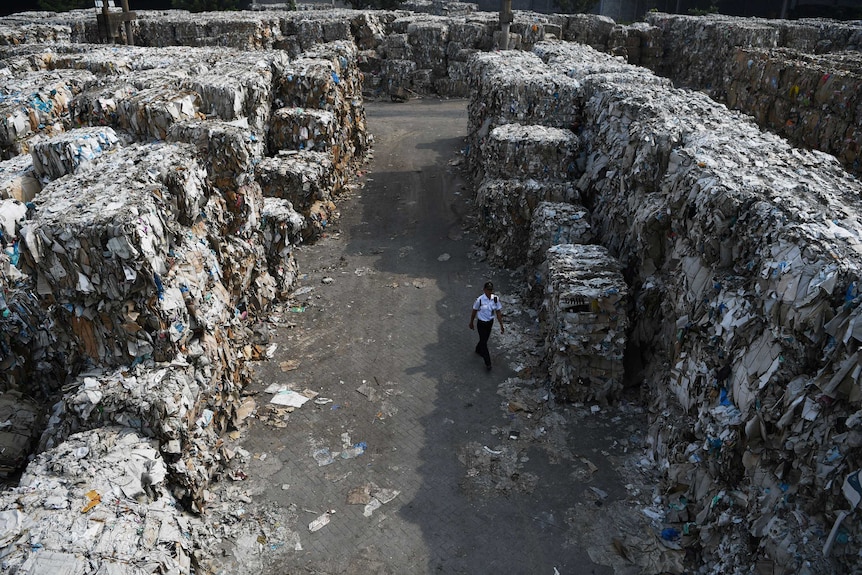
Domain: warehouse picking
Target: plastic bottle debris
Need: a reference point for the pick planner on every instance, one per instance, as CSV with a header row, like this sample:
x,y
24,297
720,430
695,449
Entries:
x,y
323,457
355,451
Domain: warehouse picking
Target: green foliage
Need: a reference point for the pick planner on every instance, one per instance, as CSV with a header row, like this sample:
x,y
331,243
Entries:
x,y
64,5
374,4
711,9
575,6
209,5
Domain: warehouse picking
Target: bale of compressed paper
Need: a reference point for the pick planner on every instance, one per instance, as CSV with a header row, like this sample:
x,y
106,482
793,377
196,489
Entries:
x,y
312,83
534,28
531,151
18,180
456,84
250,284
309,32
397,47
107,247
585,322
230,151
439,7
819,35
428,37
33,34
30,359
335,29
97,503
282,231
304,129
585,63
100,105
239,86
150,113
590,29
30,362
28,58
471,33
640,44
506,208
554,223
37,102
369,28
302,177
396,74
70,152
243,31
516,87
369,62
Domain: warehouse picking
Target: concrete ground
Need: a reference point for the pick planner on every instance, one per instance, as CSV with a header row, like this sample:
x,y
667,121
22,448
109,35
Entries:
x,y
382,337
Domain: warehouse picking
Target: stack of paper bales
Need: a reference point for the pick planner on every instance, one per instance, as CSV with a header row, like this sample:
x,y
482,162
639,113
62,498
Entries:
x,y
703,45
814,101
327,79
97,501
428,39
37,102
506,210
517,87
685,192
308,180
640,44
70,152
585,322
465,39
174,403
282,228
29,359
244,31
238,87
33,34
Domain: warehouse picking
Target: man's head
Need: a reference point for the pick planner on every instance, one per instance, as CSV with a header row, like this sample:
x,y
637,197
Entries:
x,y
489,288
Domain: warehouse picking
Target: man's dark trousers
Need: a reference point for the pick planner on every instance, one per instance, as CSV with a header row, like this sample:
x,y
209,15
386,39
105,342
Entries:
x,y
484,329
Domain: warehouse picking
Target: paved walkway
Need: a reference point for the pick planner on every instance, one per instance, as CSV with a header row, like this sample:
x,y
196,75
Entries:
x,y
384,336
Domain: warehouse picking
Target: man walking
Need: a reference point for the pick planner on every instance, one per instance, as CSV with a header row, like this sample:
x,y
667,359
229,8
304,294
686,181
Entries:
x,y
484,309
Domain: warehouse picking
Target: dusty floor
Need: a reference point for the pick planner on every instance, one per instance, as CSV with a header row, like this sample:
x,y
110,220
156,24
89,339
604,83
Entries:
x,y
409,444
